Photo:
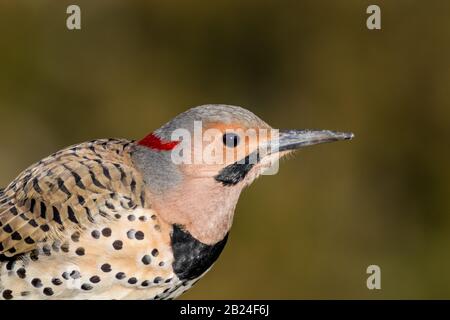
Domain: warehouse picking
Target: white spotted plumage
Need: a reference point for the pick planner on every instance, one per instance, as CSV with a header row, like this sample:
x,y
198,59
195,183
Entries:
x,y
103,220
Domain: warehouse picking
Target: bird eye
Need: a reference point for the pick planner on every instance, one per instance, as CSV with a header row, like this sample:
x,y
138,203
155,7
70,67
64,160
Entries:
x,y
231,140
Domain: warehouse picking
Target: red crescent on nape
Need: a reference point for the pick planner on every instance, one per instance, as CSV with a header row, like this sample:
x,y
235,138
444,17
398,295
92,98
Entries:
x,y
153,142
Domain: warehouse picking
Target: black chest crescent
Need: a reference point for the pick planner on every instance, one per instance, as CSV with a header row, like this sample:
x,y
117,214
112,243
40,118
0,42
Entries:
x,y
192,257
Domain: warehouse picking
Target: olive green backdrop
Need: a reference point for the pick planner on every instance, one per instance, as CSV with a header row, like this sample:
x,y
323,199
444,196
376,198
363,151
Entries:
x,y
312,230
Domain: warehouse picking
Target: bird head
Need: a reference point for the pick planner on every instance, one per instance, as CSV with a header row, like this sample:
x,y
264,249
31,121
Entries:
x,y
196,165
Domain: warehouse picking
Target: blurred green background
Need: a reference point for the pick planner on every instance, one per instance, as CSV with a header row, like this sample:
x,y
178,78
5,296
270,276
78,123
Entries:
x,y
312,230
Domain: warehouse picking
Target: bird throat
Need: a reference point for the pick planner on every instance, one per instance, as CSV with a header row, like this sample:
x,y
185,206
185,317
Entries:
x,y
203,206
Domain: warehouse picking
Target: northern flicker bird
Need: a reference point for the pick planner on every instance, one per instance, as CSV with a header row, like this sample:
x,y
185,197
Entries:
x,y
119,219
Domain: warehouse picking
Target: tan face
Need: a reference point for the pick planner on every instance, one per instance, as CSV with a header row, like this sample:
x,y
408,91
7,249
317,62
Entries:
x,y
222,145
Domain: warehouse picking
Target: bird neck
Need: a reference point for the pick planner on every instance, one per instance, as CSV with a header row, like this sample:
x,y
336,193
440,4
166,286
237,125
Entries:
x,y
201,205
159,172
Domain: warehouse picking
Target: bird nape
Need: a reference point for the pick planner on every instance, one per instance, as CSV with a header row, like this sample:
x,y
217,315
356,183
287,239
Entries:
x,y
122,219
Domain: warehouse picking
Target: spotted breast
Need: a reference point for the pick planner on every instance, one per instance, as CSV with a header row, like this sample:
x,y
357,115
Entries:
x,y
80,225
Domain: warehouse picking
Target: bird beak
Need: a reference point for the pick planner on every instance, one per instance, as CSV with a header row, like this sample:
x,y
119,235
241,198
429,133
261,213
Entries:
x,y
296,139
